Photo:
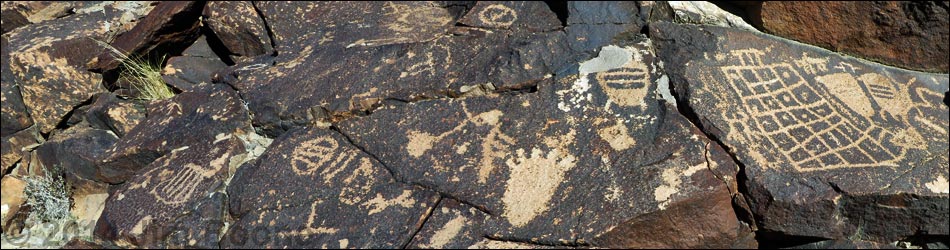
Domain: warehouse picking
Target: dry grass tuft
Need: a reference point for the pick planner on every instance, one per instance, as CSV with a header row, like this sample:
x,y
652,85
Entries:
x,y
144,76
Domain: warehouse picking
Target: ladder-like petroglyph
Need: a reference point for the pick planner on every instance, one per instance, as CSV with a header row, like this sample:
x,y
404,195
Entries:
x,y
182,185
817,115
627,85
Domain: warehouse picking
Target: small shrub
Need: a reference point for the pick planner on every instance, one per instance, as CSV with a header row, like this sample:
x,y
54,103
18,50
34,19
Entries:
x,y
145,77
48,197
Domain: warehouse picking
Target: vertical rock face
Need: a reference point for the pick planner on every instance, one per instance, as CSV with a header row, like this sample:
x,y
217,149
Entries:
x,y
238,26
14,116
168,26
832,146
12,200
312,188
913,35
196,65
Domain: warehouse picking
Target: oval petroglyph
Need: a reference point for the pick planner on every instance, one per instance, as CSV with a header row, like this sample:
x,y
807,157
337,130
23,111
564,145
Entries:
x,y
498,15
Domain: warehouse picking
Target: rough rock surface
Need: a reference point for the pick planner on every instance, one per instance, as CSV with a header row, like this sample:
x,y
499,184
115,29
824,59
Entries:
x,y
555,167
13,147
196,65
239,28
75,151
206,113
16,14
142,211
909,34
13,114
111,113
832,146
12,200
47,60
410,51
167,26
486,124
329,195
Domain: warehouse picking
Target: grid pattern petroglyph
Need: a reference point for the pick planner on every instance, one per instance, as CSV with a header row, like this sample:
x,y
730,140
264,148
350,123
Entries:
x,y
781,110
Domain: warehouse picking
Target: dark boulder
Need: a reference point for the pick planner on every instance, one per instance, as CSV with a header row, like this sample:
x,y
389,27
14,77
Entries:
x,y
832,146
207,113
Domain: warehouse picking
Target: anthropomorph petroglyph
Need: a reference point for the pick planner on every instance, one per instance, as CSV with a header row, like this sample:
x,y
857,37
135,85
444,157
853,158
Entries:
x,y
494,143
437,54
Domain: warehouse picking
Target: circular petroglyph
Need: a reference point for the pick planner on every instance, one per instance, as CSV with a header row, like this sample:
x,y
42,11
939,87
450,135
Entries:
x,y
498,15
312,154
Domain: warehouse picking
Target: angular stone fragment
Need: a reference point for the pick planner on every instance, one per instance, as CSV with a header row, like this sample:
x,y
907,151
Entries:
x,y
312,189
47,60
16,14
196,65
111,113
702,12
207,113
144,210
76,150
168,26
577,163
238,26
14,146
832,145
907,34
13,198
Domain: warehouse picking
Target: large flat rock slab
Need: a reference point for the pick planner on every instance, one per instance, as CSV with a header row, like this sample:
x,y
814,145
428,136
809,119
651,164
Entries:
x,y
205,113
833,146
154,204
313,189
410,51
581,162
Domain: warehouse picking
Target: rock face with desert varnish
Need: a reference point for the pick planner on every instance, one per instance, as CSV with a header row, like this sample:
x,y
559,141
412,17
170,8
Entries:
x,y
486,124
831,145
